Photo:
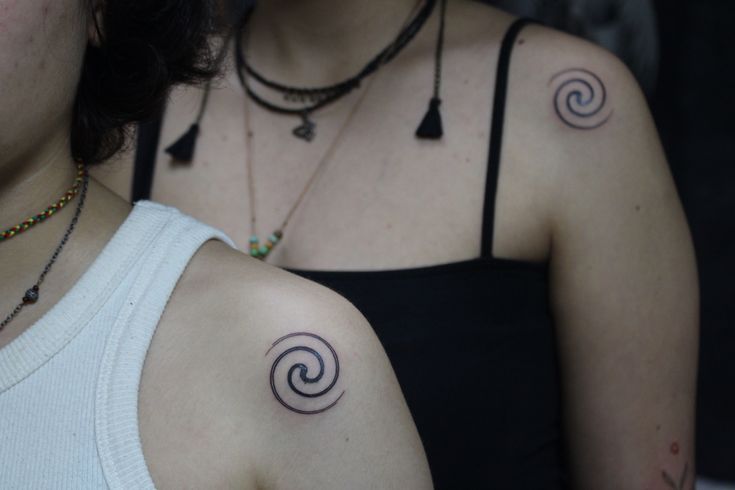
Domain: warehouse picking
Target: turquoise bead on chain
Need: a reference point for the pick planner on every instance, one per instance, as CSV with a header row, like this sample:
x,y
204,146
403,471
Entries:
x,y
261,251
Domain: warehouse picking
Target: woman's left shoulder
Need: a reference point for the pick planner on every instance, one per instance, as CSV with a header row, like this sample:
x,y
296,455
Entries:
x,y
545,60
585,117
566,91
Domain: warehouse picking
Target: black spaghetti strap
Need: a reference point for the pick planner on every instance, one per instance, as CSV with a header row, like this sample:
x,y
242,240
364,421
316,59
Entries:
x,y
496,135
149,133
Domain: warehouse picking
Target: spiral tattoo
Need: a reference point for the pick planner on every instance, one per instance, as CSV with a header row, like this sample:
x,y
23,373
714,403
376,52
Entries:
x,y
293,387
580,99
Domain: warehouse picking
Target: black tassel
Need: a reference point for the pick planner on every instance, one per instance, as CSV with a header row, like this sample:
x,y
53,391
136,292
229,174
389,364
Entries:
x,y
431,125
183,148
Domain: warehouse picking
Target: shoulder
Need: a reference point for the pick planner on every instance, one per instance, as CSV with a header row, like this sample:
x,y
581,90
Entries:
x,y
565,94
271,363
250,305
578,122
246,288
545,60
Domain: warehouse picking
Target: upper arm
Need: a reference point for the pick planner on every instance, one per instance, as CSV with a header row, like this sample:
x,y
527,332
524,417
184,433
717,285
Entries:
x,y
623,277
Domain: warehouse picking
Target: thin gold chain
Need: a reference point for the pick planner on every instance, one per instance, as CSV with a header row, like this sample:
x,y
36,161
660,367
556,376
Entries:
x,y
326,157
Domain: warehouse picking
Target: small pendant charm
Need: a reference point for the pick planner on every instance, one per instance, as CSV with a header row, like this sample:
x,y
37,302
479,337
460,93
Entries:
x,y
31,296
307,129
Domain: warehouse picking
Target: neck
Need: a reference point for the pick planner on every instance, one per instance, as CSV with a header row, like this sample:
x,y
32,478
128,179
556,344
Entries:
x,y
27,186
32,181
318,42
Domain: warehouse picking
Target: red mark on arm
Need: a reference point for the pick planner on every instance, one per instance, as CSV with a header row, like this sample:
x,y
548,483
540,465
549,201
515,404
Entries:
x,y
674,448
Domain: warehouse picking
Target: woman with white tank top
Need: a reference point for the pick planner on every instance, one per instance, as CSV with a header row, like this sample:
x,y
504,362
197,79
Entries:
x,y
137,348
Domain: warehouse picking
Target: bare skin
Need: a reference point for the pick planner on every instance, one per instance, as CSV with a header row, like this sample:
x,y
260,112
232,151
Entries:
x,y
207,413
598,203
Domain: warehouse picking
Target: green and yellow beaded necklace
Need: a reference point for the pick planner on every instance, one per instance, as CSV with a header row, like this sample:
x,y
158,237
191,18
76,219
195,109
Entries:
x,y
49,211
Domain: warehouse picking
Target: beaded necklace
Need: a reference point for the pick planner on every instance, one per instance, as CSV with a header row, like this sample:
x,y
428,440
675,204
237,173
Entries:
x,y
315,98
261,251
81,182
49,211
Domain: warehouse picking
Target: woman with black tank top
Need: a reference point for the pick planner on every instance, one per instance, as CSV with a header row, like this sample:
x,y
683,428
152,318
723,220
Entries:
x,y
528,269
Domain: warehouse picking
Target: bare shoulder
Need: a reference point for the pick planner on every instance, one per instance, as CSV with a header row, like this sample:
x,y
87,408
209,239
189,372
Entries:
x,y
269,364
264,296
575,126
238,311
572,91
577,120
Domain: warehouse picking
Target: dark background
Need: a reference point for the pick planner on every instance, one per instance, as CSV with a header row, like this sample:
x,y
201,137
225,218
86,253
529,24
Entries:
x,y
694,105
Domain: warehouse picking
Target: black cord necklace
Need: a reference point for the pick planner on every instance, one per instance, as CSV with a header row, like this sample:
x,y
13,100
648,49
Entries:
x,y
409,30
316,98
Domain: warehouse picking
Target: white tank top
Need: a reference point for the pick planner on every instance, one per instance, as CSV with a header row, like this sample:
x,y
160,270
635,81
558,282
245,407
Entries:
x,y
69,383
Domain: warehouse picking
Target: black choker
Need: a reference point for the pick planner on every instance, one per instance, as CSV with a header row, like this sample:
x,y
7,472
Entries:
x,y
316,98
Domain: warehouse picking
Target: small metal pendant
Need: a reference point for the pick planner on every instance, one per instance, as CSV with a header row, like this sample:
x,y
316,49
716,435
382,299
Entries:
x,y
306,130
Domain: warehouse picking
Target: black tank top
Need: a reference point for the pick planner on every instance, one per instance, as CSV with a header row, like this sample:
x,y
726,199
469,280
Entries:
x,y
472,344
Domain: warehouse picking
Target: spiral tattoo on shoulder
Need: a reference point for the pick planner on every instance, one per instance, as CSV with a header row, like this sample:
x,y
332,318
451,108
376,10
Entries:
x,y
580,99
304,373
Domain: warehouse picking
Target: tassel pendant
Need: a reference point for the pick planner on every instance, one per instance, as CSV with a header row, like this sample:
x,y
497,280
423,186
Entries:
x,y
431,125
306,130
182,150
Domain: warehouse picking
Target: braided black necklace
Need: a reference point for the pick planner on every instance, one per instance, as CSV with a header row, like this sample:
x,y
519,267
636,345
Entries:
x,y
315,98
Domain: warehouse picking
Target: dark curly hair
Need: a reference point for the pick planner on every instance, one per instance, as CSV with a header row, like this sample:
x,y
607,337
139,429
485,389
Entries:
x,y
145,47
